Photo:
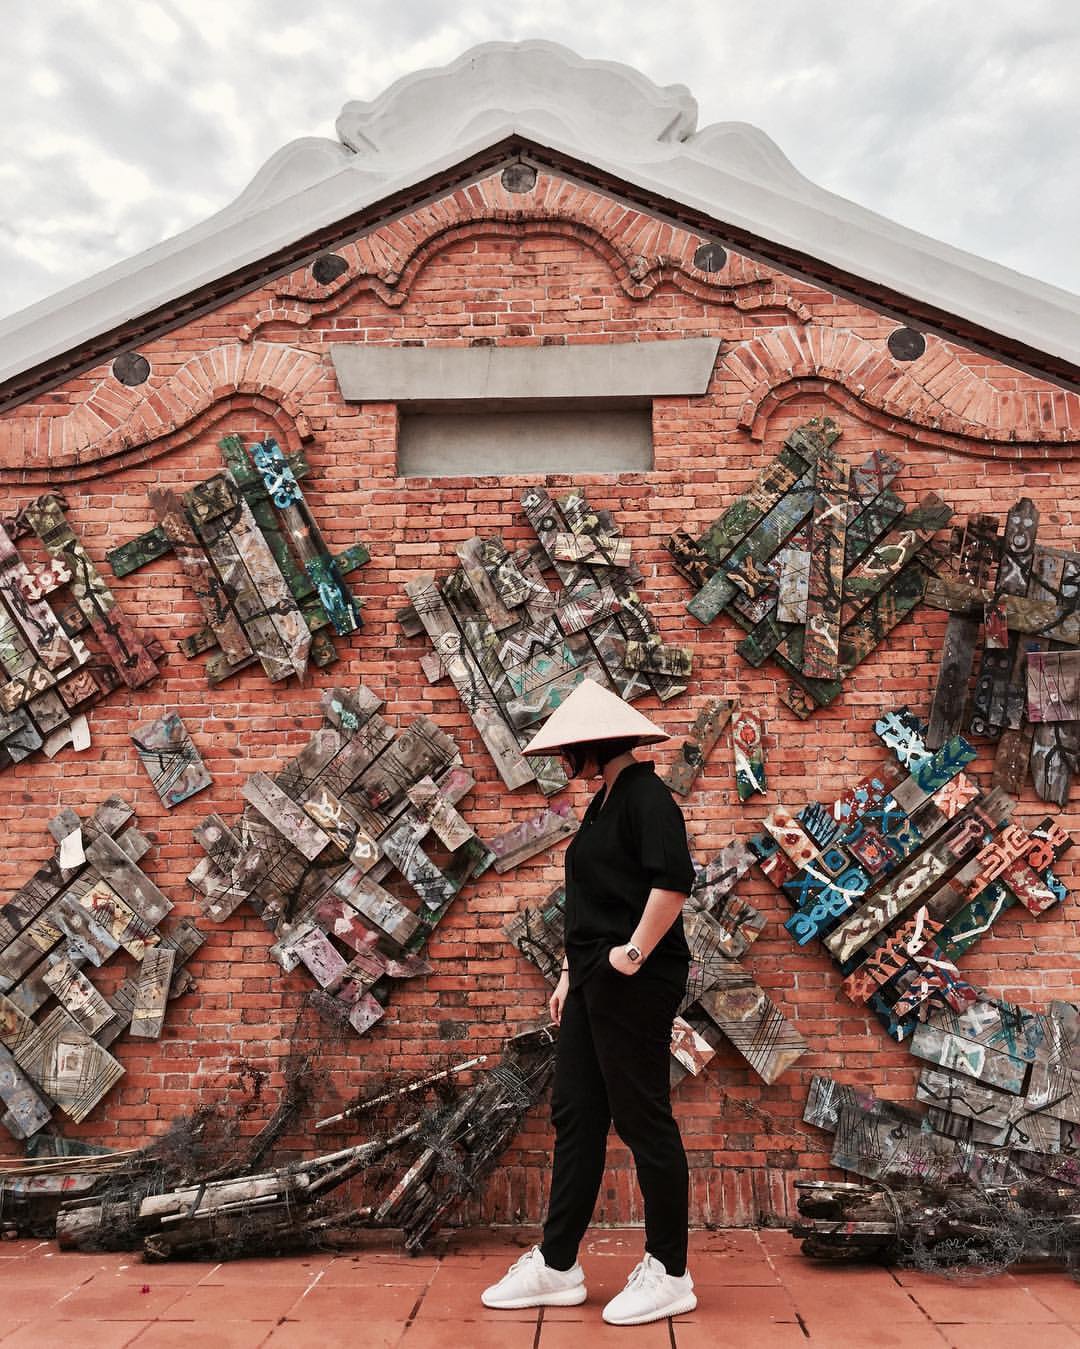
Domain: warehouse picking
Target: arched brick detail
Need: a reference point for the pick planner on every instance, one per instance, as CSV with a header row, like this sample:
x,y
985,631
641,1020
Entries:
x,y
937,394
642,251
116,425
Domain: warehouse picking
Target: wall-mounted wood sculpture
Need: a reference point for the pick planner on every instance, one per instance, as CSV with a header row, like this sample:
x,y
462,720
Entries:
x,y
818,562
722,999
317,840
1026,696
247,541
80,908
51,674
900,877
514,648
169,756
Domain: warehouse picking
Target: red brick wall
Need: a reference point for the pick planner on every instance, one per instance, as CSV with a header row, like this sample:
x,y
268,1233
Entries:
x,y
560,264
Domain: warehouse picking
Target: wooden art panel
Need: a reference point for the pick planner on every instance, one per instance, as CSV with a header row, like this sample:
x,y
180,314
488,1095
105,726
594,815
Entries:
x,y
515,648
317,839
168,754
49,675
817,563
252,550
90,902
695,749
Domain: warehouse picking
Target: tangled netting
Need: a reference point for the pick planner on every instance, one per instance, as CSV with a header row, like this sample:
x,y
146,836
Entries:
x,y
217,1185
960,1229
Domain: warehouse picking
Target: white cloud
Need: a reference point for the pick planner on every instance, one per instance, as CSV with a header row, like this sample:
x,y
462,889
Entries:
x,y
120,125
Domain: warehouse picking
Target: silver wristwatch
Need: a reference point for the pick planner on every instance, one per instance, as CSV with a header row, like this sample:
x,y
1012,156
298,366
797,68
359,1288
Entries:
x,y
632,953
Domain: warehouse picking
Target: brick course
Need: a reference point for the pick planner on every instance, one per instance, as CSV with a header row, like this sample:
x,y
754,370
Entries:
x,y
561,264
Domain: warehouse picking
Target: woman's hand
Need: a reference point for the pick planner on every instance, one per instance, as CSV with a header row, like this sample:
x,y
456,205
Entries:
x,y
558,998
620,961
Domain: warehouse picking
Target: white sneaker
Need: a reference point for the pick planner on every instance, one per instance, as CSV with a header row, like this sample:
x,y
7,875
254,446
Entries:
x,y
651,1293
531,1282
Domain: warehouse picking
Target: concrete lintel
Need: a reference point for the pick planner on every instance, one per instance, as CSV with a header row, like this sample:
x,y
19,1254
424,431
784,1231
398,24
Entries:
x,y
626,371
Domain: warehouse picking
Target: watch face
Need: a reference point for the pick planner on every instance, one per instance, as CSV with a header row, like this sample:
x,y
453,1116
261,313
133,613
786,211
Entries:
x,y
632,953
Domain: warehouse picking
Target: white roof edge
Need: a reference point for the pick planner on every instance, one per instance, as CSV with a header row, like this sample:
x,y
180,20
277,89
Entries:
x,y
601,113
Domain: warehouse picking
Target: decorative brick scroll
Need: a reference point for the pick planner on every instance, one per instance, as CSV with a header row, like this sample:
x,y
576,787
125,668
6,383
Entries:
x,y
89,900
1026,694
64,641
169,756
316,841
902,875
818,562
721,998
514,648
251,549
999,1102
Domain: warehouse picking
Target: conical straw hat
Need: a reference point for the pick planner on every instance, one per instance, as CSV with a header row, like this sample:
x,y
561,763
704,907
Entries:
x,y
593,713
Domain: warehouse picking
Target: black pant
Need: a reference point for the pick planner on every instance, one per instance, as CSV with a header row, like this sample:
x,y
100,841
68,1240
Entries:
x,y
612,1066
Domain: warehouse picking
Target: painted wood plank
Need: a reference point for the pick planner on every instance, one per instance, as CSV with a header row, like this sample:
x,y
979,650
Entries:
x,y
471,553
24,598
112,915
533,835
793,587
304,533
77,995
888,558
211,594
117,638
133,886
752,1022
285,815
336,820
542,699
657,657
695,749
213,507
832,475
174,765
960,841
66,1064
747,742
1053,686
26,1110
437,812
465,674
377,906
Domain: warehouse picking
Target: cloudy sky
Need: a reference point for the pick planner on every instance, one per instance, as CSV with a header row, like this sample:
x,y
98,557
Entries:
x,y
123,123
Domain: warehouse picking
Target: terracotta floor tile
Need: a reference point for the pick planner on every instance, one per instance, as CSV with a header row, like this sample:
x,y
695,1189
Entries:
x,y
1056,1291
53,1333
696,1335
597,1335
1010,1337
297,1272
346,1273
741,1271
326,1333
203,1335
119,1300
183,1273
876,1336
26,1303
628,1246
984,1304
834,1304
726,1240
473,1335
239,1302
386,1302
759,1306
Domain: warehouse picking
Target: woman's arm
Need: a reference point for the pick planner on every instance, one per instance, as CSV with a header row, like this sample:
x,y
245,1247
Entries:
x,y
661,910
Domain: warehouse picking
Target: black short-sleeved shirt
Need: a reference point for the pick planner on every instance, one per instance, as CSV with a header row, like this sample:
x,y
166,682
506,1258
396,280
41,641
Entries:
x,y
626,847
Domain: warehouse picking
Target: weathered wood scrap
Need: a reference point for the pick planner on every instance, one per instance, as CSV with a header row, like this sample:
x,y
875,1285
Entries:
x,y
119,641
66,1064
832,475
133,886
793,590
889,558
437,812
211,594
155,978
285,815
168,754
751,1021
527,838
695,749
23,597
306,537
465,674
747,740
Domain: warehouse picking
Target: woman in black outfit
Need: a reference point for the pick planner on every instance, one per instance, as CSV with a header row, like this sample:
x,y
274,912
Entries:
x,y
628,873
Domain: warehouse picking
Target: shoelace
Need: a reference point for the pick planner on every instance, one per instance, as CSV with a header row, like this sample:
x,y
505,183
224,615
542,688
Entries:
x,y
642,1273
527,1259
